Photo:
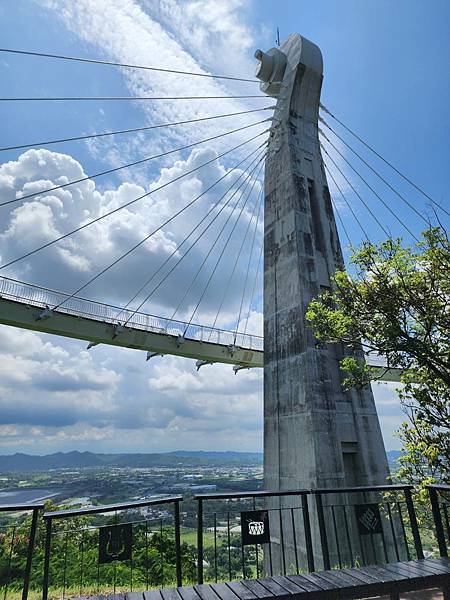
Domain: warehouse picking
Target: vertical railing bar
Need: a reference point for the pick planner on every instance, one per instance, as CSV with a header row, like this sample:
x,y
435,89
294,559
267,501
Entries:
x,y
308,537
229,545
65,563
146,554
322,532
447,522
256,545
283,554
243,558
294,539
215,546
82,561
438,521
13,536
98,567
131,563
161,550
48,542
402,524
270,559
413,521
199,540
178,543
394,537
27,574
383,541
338,546
347,533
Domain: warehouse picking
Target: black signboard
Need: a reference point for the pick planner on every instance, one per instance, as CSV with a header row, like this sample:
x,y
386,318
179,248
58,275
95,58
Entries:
x,y
368,518
255,527
115,543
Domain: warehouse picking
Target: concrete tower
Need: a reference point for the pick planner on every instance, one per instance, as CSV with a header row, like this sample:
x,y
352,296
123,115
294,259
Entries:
x,y
315,434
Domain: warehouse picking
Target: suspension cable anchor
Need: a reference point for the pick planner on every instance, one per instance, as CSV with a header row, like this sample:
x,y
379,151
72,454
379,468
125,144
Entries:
x,y
180,340
44,314
118,329
202,363
237,368
153,355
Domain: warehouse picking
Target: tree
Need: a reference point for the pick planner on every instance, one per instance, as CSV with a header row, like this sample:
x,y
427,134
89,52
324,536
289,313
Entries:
x,y
397,302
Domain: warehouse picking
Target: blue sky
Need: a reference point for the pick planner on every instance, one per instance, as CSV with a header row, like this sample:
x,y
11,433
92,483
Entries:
x,y
386,70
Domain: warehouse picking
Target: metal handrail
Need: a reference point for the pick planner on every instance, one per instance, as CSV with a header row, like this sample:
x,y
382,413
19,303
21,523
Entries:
x,y
91,510
26,293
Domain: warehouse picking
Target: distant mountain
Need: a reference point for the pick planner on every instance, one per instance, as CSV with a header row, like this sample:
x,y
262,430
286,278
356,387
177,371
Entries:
x,y
75,459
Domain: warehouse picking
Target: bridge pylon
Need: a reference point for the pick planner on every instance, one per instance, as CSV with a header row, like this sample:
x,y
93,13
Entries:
x,y
316,435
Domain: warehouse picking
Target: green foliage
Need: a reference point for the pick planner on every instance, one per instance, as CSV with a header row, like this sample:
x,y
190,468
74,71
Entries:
x,y
74,557
398,304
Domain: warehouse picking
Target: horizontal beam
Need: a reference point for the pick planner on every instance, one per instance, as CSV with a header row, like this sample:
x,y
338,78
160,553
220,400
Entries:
x,y
24,306
26,316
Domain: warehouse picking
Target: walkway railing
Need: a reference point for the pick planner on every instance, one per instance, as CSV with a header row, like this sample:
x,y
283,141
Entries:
x,y
14,539
367,525
284,544
150,543
440,505
137,547
26,293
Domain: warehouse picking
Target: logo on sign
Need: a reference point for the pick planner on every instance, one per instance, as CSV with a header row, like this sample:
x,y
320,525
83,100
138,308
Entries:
x,y
255,527
115,543
368,518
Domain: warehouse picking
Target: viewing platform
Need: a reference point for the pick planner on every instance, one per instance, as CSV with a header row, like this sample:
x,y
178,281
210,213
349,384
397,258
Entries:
x,y
374,540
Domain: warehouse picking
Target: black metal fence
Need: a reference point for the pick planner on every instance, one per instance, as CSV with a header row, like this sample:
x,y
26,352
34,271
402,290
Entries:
x,y
367,525
113,547
17,539
226,548
440,505
138,545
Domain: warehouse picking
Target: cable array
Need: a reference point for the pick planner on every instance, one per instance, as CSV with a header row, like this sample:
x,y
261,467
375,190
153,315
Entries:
x,y
123,65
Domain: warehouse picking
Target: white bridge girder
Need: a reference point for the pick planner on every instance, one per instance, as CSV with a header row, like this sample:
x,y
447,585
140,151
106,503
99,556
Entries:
x,y
27,307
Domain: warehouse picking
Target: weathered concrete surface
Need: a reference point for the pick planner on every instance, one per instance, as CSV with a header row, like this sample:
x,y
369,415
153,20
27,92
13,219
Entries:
x,y
315,434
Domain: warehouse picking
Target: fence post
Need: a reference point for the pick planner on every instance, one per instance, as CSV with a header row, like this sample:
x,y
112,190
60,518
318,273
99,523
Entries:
x,y
413,521
200,541
48,541
322,532
26,578
438,521
308,539
178,544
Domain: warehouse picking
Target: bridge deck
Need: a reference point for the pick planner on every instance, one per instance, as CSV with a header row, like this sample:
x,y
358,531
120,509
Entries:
x,y
26,306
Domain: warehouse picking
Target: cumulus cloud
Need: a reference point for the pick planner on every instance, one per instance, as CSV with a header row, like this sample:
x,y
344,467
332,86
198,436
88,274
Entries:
x,y
73,261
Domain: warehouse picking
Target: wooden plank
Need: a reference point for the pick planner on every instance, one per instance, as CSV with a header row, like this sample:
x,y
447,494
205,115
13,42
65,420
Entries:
x,y
338,580
257,588
443,568
363,577
380,572
240,590
134,596
273,586
152,595
288,584
426,569
170,594
305,583
317,581
442,560
188,593
403,569
205,592
223,591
